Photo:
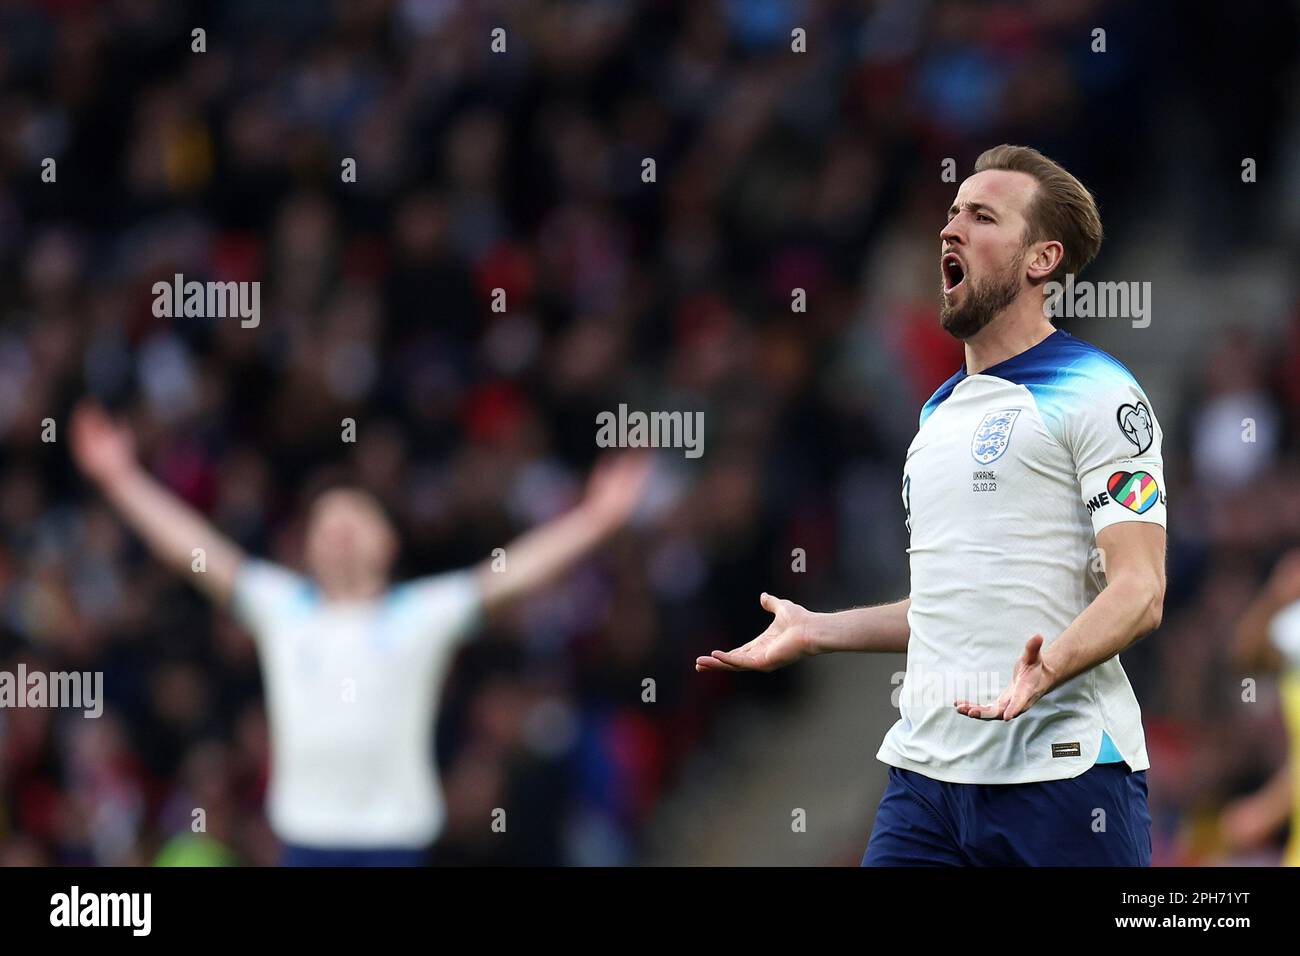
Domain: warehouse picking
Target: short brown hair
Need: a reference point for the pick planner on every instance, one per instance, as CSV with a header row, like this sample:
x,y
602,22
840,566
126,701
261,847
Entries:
x,y
1062,207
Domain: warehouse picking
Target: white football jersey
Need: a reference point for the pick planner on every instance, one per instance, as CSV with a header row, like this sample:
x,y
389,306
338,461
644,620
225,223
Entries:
x,y
352,689
1011,475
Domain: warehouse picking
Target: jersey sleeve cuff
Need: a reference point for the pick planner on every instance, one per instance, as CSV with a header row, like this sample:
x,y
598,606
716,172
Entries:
x,y
1124,491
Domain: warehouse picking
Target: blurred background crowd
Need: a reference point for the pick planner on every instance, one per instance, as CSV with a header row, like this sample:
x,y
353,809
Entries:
x,y
522,171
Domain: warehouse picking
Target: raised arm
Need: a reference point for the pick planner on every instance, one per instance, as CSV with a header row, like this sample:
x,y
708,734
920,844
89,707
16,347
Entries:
x,y
541,555
105,453
796,632
1251,647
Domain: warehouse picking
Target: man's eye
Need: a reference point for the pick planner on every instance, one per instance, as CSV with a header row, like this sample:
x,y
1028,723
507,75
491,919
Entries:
x,y
982,217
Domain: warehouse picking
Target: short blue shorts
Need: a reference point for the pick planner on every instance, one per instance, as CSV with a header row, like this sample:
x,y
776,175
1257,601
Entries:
x,y
1099,818
296,855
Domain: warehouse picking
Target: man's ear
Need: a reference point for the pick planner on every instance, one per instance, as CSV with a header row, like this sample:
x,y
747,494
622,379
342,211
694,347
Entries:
x,y
1044,258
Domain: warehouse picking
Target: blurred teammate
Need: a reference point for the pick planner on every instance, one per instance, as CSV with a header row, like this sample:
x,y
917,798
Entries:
x,y
352,665
1268,638
1039,447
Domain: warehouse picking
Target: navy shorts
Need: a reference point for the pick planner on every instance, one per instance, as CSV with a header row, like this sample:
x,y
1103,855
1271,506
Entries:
x,y
296,855
1099,818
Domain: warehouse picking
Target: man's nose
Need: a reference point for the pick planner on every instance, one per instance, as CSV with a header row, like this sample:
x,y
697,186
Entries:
x,y
950,234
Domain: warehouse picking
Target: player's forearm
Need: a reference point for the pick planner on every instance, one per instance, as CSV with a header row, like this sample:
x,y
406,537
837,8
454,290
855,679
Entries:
x,y
881,628
172,530
1277,795
1121,614
1250,646
540,556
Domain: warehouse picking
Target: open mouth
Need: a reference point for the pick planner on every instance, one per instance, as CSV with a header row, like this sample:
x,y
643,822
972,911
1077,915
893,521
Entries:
x,y
954,273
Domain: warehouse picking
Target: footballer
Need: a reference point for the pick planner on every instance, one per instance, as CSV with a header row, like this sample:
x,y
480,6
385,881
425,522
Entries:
x,y
353,665
1035,501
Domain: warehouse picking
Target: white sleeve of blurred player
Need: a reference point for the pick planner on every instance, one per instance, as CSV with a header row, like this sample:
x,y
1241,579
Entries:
x,y
1284,632
1116,443
445,607
265,594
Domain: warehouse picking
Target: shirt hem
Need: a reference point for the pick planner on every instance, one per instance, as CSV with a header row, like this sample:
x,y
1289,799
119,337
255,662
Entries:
x,y
331,838
1037,773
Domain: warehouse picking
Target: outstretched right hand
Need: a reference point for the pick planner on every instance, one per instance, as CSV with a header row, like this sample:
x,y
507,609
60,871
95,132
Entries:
x,y
101,448
788,638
